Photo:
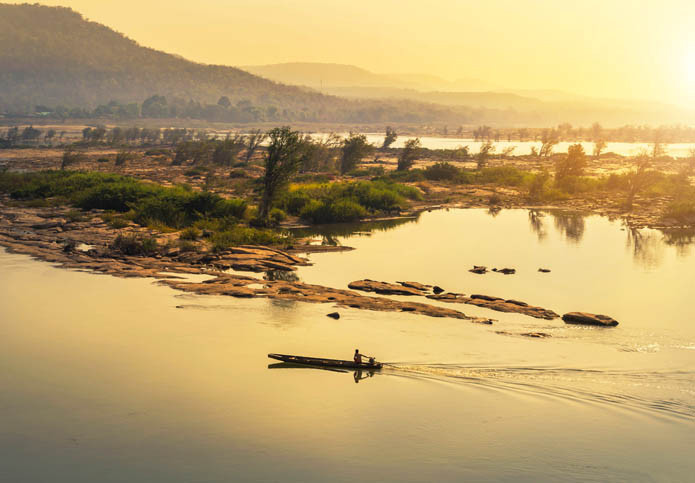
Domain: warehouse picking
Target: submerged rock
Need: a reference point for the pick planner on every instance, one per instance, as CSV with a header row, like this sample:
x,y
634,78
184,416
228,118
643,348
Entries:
x,y
333,315
479,269
544,270
505,271
586,318
437,289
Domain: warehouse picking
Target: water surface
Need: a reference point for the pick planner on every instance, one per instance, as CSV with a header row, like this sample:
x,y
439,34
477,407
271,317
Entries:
x,y
105,379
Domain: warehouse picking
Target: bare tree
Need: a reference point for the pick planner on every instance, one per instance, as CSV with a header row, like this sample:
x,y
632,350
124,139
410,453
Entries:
x,y
253,141
483,155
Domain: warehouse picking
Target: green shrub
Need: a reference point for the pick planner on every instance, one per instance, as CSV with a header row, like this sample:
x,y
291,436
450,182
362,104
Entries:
x,y
190,233
135,245
196,171
118,222
345,210
277,216
681,210
247,236
442,172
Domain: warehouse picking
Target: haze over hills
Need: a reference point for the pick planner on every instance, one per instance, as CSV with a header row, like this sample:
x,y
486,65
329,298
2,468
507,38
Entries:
x,y
52,56
328,75
55,59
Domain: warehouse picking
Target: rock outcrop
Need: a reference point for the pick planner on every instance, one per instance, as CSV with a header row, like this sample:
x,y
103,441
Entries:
x,y
497,303
383,288
585,318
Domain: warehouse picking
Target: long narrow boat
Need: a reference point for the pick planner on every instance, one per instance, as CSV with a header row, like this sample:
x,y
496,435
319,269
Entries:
x,y
318,362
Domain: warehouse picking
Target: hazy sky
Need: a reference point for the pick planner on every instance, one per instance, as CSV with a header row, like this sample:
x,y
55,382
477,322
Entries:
x,y
608,48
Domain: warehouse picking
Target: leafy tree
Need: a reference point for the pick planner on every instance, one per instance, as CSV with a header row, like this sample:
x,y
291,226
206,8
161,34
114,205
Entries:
x,y
355,147
155,106
638,179
283,159
390,137
409,154
224,102
573,164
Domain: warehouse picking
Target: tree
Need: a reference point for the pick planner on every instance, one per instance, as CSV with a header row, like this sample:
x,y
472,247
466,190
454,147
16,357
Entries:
x,y
282,160
253,141
658,149
573,164
321,154
486,149
390,137
224,102
155,106
409,154
124,157
570,167
638,179
599,145
355,147
549,138
70,157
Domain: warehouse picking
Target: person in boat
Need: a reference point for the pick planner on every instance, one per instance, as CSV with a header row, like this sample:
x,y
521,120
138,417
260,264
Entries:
x,y
358,358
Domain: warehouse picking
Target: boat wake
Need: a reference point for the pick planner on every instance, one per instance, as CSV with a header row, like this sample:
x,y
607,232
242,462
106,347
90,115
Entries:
x,y
665,393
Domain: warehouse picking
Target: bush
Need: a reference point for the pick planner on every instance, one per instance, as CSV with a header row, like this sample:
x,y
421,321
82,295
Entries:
x,y
196,171
681,210
247,236
442,172
190,233
176,207
135,245
319,212
277,216
334,202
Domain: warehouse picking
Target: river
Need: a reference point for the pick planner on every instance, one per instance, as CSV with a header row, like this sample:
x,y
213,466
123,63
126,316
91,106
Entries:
x,y
111,380
677,150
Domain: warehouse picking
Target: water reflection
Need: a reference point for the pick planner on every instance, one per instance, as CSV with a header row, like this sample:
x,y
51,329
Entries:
x,y
535,219
570,224
358,374
646,245
330,234
682,240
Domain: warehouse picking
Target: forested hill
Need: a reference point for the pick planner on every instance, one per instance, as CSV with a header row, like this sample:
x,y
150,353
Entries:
x,y
52,56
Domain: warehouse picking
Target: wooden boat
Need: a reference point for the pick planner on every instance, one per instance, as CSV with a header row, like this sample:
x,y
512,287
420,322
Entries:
x,y
317,362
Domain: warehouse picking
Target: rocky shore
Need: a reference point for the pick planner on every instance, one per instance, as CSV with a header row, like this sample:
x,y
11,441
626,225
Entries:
x,y
86,244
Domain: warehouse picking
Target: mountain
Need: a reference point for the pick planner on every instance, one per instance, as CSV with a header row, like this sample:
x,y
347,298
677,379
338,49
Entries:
x,y
488,102
326,75
52,56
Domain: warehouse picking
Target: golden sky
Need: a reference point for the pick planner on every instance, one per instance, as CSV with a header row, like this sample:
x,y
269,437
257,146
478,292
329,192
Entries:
x,y
605,48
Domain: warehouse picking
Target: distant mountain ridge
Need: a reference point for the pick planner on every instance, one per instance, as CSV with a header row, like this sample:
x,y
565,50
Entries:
x,y
52,56
331,75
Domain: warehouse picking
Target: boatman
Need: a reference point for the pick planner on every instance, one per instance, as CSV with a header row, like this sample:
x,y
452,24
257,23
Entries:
x,y
358,357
